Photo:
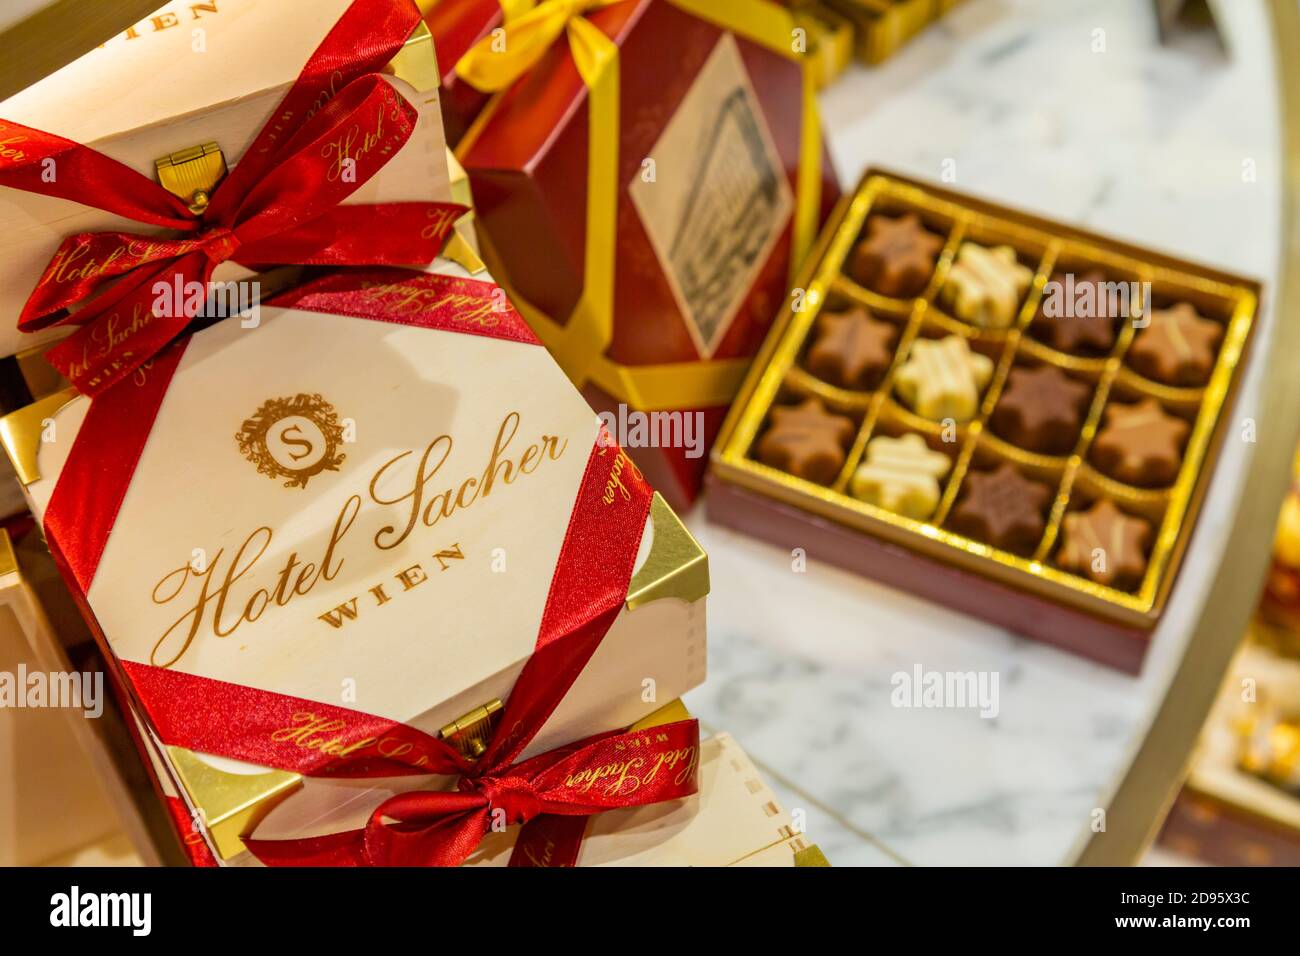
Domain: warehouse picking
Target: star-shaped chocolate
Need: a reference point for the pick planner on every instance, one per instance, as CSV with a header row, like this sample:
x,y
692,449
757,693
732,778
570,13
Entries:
x,y
943,378
1002,508
1041,409
807,441
897,257
1178,347
1140,444
852,349
986,285
1106,545
1068,323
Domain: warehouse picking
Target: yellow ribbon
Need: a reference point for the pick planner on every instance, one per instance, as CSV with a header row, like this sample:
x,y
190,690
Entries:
x,y
579,345
527,32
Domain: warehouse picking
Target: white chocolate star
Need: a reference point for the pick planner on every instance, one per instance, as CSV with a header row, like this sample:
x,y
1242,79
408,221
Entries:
x,y
943,379
901,475
985,285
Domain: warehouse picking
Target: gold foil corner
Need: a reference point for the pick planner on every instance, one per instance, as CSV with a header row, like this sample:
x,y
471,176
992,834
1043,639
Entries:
x,y
677,566
416,62
811,855
231,804
8,560
670,713
20,432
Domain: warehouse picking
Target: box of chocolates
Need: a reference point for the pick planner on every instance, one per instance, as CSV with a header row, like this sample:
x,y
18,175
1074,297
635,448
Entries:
x,y
1008,415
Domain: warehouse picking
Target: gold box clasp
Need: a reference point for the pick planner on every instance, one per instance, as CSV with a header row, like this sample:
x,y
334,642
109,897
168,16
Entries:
x,y
471,732
191,174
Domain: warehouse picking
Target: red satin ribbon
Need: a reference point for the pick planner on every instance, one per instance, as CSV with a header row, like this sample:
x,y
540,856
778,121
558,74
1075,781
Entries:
x,y
335,128
550,794
587,592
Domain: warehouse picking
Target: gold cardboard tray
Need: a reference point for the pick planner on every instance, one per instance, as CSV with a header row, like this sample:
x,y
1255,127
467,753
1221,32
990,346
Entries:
x,y
1048,246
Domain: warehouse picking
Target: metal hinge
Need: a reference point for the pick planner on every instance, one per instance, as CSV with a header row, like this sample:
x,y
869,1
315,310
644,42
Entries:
x,y
471,732
191,174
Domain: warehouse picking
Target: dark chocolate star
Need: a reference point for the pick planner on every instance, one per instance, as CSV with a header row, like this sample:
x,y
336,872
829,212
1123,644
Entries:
x,y
807,441
1106,545
852,349
1140,444
1002,508
1178,347
897,257
1068,331
1041,409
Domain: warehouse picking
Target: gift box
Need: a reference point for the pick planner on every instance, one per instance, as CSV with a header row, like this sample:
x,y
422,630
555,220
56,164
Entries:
x,y
162,100
1008,415
674,195
218,801
416,509
733,820
456,26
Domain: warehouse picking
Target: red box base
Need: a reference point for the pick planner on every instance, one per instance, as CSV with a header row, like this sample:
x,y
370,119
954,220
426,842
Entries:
x,y
1114,645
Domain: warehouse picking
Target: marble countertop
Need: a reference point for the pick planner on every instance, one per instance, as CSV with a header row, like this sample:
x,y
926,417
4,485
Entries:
x,y
1176,148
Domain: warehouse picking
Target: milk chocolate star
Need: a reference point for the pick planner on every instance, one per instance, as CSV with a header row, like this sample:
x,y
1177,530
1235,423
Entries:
x,y
852,349
807,441
1075,315
1041,409
1140,444
985,286
1106,545
1002,508
897,257
1178,347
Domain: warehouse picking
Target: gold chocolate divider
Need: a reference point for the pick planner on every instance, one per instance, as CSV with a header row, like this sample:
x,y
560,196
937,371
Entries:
x,y
781,351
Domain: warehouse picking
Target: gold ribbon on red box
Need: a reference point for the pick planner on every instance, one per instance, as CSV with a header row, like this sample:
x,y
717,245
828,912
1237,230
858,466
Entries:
x,y
338,125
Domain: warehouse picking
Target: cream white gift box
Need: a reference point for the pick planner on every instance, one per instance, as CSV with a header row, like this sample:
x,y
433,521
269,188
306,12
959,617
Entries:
x,y
191,75
733,820
427,654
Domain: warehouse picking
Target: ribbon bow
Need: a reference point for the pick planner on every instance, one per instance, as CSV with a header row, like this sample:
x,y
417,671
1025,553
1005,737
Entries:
x,y
337,126
498,60
551,795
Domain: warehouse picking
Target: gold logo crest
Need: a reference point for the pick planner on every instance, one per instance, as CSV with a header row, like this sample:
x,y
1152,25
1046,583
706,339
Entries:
x,y
293,438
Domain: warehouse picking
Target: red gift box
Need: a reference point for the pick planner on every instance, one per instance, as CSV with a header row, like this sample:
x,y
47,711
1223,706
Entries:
x,y
647,177
456,26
